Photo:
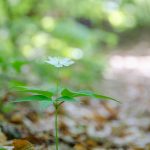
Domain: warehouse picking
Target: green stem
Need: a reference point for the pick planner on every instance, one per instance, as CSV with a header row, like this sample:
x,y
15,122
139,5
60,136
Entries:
x,y
57,83
56,111
56,127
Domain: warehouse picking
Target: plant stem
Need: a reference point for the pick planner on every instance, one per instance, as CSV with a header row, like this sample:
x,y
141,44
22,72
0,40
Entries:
x,y
56,127
56,112
57,83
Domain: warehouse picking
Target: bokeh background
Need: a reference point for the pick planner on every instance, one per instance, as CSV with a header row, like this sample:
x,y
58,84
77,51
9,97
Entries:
x,y
110,42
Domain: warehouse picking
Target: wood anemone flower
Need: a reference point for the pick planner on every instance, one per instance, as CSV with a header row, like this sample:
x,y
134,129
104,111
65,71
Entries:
x,y
59,61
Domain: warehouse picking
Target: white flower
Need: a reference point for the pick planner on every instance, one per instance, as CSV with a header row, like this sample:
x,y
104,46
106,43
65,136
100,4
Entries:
x,y
59,61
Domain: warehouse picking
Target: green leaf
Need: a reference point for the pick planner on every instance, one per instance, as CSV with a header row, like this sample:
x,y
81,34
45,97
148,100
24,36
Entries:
x,y
2,148
8,107
17,64
66,98
33,90
44,104
69,93
5,147
33,98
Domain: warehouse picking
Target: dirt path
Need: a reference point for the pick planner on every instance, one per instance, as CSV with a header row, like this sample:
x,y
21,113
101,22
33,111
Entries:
x,y
128,79
128,76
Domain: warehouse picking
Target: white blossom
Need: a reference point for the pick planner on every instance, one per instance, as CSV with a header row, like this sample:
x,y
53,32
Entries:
x,y
59,61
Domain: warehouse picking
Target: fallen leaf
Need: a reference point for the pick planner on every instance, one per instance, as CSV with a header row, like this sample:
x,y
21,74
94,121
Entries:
x,y
2,137
16,118
79,147
22,145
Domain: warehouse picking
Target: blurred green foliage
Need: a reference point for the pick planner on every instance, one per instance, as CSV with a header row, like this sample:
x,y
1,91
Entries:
x,y
31,30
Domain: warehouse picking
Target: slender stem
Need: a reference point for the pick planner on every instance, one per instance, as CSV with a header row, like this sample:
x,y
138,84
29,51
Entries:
x,y
56,128
56,111
57,83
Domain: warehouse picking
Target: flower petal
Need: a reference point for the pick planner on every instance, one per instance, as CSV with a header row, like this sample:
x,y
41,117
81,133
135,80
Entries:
x,y
59,62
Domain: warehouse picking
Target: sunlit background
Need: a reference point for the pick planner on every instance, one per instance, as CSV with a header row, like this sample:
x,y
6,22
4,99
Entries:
x,y
108,40
85,31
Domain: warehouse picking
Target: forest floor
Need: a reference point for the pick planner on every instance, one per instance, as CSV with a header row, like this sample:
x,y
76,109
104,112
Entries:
x,y
127,78
94,125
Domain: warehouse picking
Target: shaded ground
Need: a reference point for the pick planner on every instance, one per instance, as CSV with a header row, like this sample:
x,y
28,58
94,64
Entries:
x,y
127,78
94,125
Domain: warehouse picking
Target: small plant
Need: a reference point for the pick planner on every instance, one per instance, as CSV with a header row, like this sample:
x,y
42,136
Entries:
x,y
60,95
